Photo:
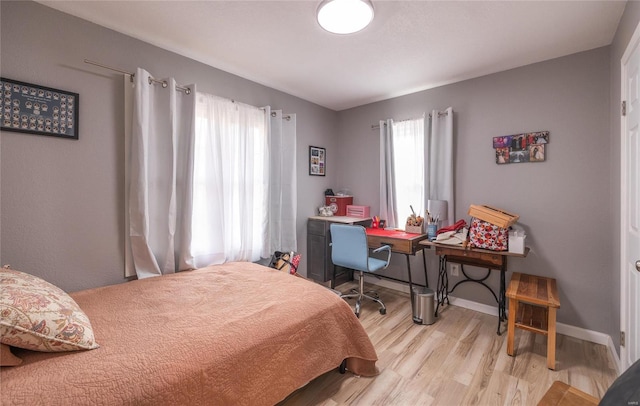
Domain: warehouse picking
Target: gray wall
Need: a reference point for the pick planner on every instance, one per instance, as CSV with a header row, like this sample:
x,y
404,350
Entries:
x,y
626,27
564,203
62,201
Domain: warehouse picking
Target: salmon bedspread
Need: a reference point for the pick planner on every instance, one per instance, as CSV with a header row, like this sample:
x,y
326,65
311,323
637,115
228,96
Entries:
x,y
232,334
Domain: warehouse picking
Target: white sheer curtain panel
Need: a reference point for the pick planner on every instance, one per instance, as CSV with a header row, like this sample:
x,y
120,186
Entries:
x,y
440,184
409,167
159,170
231,182
387,175
282,183
402,170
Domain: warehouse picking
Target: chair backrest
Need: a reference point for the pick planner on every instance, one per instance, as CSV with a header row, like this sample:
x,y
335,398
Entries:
x,y
349,246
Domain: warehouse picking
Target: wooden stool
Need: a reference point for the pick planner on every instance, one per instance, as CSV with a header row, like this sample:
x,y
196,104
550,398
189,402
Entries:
x,y
561,394
533,301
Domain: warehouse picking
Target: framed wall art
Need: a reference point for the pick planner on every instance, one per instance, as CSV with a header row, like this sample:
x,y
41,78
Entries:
x,y
317,161
519,148
34,109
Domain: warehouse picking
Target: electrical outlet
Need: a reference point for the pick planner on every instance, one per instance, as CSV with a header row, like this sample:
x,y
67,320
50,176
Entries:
x,y
455,269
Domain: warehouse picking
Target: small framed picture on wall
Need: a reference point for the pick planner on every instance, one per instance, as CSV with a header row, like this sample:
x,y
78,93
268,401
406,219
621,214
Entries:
x,y
317,161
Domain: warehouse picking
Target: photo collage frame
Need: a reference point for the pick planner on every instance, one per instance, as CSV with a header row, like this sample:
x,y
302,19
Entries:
x,y
519,148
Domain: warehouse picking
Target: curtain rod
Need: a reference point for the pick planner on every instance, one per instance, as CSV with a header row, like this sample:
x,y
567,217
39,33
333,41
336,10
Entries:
x,y
284,116
440,114
164,83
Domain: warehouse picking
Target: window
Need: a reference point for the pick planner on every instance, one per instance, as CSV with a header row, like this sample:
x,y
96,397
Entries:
x,y
409,168
416,164
231,172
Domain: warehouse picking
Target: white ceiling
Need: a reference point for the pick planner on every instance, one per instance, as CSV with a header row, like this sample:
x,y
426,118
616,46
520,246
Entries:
x,y
410,45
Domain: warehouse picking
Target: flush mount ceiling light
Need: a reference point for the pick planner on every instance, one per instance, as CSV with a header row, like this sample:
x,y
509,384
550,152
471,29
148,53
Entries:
x,y
345,16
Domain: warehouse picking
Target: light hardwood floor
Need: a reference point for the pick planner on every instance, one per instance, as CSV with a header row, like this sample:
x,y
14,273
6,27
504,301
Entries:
x,y
459,360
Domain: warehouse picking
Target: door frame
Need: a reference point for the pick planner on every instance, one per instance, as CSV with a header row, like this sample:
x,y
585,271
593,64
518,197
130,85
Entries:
x,y
633,43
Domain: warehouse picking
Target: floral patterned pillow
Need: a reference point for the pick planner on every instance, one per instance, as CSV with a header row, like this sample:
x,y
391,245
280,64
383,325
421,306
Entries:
x,y
39,316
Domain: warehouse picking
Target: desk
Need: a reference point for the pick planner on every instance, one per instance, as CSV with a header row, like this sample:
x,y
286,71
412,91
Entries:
x,y
319,265
492,260
402,243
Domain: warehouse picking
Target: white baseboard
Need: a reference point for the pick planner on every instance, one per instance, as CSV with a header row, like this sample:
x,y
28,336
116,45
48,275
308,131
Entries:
x,y
614,356
561,328
479,307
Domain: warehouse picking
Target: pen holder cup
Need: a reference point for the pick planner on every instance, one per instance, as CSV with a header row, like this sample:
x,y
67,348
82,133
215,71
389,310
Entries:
x,y
431,231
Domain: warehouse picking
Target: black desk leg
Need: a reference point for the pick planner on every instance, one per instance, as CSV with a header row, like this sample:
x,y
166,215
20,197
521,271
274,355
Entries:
x,y
424,263
410,284
333,278
442,288
502,311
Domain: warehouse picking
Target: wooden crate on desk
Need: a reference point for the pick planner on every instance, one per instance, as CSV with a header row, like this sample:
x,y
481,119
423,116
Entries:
x,y
414,229
493,215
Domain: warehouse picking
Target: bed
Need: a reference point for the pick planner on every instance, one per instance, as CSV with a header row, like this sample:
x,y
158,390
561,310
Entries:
x,y
238,333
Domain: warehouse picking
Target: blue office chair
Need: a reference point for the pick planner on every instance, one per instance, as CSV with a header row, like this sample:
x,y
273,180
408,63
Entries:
x,y
349,249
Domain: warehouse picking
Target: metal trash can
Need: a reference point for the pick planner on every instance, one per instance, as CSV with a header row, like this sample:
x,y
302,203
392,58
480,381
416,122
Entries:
x,y
423,312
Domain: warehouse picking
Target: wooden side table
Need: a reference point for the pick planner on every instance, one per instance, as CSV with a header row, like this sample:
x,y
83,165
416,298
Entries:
x,y
561,394
533,301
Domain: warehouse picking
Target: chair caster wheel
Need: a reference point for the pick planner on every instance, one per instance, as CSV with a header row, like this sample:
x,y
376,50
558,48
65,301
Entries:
x,y
358,315
383,311
343,366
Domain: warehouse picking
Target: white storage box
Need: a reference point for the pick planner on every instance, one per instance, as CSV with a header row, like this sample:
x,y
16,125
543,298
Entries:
x,y
516,241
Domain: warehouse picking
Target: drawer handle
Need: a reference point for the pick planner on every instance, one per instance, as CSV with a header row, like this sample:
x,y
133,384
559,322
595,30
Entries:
x,y
386,243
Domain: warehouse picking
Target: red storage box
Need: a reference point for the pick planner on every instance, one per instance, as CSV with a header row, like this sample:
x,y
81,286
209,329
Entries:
x,y
338,204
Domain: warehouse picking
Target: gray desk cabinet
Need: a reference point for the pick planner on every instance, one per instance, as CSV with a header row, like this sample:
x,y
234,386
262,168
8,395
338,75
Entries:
x,y
319,265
